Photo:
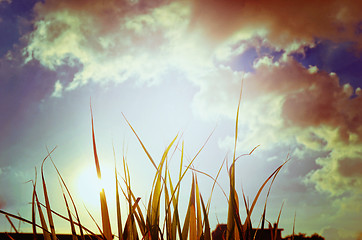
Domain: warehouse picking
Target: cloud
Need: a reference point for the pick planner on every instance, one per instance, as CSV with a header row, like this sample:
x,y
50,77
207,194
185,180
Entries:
x,y
146,41
283,101
349,167
115,41
5,1
58,89
284,24
286,104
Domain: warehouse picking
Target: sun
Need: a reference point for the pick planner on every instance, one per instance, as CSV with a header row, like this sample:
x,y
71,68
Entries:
x,y
89,186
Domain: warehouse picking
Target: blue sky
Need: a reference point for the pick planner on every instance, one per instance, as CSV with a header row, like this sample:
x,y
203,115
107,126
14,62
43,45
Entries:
x,y
176,67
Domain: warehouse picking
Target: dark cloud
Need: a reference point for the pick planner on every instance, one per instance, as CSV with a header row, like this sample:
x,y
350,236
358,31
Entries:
x,y
350,167
282,22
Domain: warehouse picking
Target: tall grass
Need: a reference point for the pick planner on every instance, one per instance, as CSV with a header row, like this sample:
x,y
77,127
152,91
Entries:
x,y
148,224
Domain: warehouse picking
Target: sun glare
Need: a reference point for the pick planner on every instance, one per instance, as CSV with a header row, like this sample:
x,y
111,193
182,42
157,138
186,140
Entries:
x,y
89,186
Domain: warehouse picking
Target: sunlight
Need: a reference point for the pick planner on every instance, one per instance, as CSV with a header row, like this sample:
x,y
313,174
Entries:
x,y
89,186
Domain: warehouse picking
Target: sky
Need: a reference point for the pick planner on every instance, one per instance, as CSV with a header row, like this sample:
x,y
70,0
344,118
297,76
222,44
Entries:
x,y
177,67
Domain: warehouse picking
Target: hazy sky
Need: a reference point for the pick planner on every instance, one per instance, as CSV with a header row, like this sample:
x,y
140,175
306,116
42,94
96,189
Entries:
x,y
176,67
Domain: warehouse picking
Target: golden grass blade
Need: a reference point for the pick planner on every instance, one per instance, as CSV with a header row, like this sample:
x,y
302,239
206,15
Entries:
x,y
118,204
46,233
131,227
33,210
247,225
185,228
70,196
106,224
47,203
12,224
193,224
175,223
198,212
75,209
128,229
215,182
66,219
138,213
74,234
143,146
295,214
154,210
277,223
22,219
129,232
213,187
95,222
232,208
206,234
168,215
9,236
265,182
155,198
104,208
265,204
95,148
154,201
187,168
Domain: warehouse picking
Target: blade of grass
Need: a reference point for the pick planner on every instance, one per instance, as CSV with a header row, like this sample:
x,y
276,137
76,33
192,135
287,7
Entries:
x,y
9,236
128,229
105,216
168,214
247,225
138,214
265,182
206,235
193,226
187,168
277,223
74,234
175,222
70,196
154,202
22,219
232,208
118,205
295,214
214,180
213,187
65,218
33,210
104,208
143,146
12,224
95,222
198,212
46,233
47,203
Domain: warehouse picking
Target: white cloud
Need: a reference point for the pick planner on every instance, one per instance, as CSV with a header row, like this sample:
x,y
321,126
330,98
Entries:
x,y
143,46
58,89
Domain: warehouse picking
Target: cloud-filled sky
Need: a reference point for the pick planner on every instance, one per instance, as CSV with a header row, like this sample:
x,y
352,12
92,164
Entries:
x,y
177,66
